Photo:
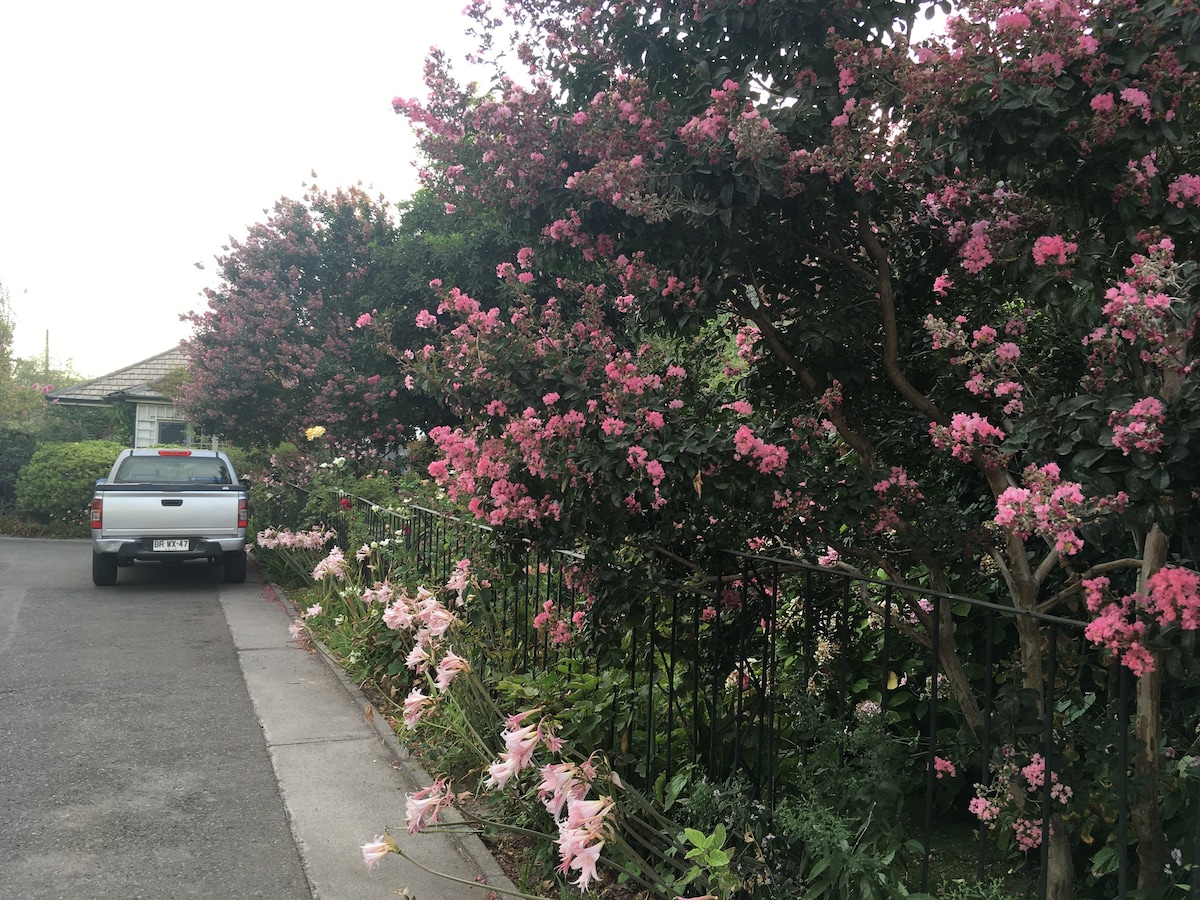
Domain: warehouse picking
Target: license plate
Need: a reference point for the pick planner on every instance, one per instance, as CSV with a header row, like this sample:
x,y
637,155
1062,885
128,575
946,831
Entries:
x,y
174,544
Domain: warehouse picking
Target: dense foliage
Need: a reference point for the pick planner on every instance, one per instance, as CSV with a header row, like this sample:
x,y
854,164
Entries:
x,y
793,280
56,485
282,346
26,419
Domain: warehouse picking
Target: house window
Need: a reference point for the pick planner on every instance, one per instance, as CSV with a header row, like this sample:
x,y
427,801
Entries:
x,y
172,432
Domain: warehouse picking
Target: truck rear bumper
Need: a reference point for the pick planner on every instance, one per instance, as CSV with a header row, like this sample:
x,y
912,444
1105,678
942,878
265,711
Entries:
x,y
143,549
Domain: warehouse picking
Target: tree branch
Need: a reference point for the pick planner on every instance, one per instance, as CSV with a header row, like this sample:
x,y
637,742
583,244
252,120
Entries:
x,y
891,343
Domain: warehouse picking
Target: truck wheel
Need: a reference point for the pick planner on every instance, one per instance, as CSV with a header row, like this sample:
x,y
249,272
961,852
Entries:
x,y
104,569
235,567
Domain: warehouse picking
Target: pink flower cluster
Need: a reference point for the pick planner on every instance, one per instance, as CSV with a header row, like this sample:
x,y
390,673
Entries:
x,y
1122,623
583,826
1141,317
987,811
1028,834
1184,190
334,564
583,831
970,437
593,397
313,539
991,362
944,768
559,628
520,742
423,808
895,490
1053,249
1050,507
1012,790
1138,427
770,458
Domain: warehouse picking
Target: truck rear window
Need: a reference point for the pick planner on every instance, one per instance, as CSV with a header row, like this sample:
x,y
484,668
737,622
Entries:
x,y
172,470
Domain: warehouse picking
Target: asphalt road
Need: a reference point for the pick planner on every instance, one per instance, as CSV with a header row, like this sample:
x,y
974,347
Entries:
x,y
132,764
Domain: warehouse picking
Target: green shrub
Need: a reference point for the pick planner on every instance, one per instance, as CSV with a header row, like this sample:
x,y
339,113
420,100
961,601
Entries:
x,y
55,486
16,449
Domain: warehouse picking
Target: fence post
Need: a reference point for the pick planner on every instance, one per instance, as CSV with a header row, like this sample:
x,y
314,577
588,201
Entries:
x,y
930,755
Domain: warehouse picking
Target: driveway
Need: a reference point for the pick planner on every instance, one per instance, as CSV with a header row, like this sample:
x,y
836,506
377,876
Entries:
x,y
165,738
131,761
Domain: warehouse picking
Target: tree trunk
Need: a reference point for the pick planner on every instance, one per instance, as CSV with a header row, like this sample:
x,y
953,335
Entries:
x,y
952,667
1144,814
1060,868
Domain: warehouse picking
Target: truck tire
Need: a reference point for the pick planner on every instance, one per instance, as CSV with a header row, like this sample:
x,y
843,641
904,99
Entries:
x,y
104,569
235,567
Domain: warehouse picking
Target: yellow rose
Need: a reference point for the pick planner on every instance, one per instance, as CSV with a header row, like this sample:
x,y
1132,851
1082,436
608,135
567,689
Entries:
x,y
315,432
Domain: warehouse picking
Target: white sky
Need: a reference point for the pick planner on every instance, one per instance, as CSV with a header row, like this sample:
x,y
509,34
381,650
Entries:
x,y
137,136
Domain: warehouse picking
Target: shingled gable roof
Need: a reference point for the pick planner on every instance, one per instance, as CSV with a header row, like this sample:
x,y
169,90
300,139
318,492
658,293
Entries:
x,y
136,382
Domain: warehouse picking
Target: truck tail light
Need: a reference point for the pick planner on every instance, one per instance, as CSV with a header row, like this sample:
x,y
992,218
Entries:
x,y
97,512
243,514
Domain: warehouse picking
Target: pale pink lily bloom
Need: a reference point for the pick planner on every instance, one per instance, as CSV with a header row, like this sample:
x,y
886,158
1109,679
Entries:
x,y
515,721
425,806
436,618
521,744
501,770
560,783
334,564
587,815
415,705
584,862
581,837
377,849
418,659
449,667
398,615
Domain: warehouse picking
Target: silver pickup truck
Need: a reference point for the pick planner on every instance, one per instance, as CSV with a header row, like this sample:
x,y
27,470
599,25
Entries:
x,y
169,506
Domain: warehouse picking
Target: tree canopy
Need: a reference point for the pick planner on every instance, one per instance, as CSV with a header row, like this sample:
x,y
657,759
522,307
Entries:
x,y
283,345
794,280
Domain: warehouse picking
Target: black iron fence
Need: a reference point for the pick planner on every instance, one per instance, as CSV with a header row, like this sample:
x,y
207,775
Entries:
x,y
729,678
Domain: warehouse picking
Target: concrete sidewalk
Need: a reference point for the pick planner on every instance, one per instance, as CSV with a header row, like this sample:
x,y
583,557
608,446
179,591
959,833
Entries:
x,y
342,773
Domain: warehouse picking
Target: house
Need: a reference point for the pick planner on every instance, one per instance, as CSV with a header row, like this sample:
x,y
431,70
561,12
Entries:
x,y
156,421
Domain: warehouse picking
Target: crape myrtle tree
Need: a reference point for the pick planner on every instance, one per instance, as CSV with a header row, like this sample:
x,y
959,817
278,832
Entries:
x,y
958,277
284,346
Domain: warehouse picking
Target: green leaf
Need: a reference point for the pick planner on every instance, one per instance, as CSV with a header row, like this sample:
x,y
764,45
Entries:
x,y
717,858
1105,861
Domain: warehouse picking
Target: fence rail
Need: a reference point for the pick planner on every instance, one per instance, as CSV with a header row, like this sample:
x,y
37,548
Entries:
x,y
722,677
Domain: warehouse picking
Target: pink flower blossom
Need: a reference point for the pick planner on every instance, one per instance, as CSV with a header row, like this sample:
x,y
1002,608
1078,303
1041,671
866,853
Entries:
x,y
1184,190
424,807
334,564
944,768
1135,97
450,667
969,436
1138,427
1053,248
374,851
416,704
581,837
984,809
